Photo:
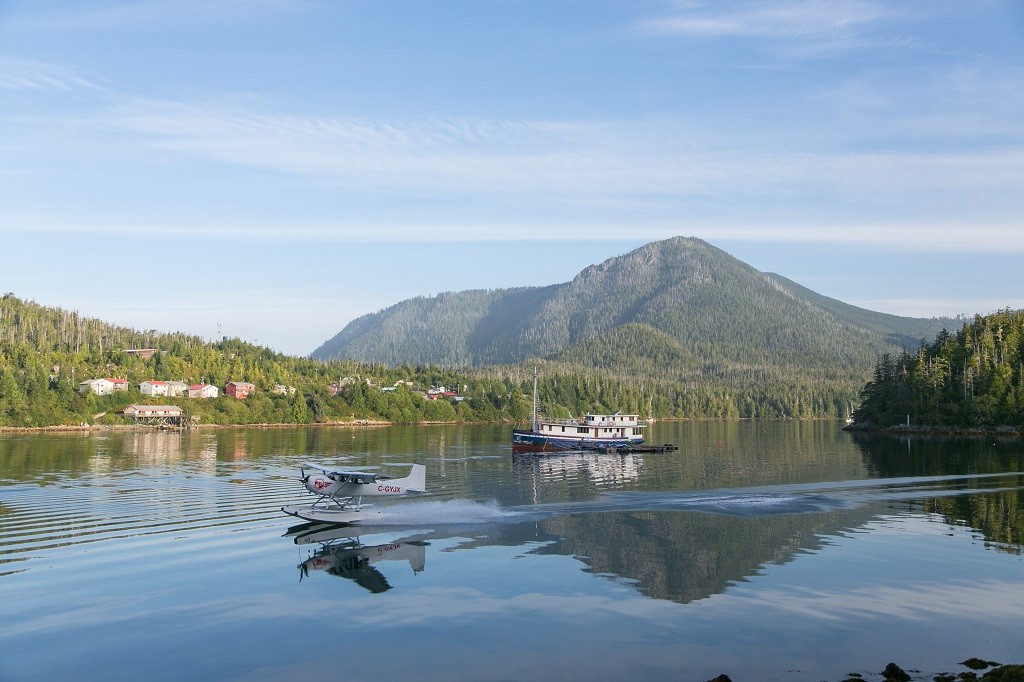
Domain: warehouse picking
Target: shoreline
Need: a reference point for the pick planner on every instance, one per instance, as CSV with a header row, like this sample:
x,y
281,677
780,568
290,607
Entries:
x,y
928,430
89,428
898,429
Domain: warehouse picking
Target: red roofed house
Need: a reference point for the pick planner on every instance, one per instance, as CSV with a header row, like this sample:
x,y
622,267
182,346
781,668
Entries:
x,y
239,389
203,391
439,392
153,387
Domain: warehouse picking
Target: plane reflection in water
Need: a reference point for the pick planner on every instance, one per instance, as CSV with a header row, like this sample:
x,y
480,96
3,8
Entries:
x,y
342,554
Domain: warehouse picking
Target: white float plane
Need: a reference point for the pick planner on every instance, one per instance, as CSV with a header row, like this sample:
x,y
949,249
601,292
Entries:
x,y
342,492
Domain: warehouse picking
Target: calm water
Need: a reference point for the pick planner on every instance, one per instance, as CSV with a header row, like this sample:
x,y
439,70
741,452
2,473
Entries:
x,y
767,551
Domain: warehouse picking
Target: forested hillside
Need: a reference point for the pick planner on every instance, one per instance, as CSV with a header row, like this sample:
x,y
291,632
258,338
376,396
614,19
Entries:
x,y
678,313
45,352
972,378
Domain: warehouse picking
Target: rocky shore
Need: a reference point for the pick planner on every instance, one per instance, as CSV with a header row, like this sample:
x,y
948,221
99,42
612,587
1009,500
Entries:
x,y
977,669
938,430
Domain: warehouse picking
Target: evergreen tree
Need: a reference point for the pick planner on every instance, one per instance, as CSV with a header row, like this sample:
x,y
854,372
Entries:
x,y
973,379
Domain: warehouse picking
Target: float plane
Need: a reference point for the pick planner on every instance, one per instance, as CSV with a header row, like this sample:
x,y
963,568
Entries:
x,y
341,493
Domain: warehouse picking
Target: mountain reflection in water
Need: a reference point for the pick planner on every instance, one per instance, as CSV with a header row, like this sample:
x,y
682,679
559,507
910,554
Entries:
x,y
675,546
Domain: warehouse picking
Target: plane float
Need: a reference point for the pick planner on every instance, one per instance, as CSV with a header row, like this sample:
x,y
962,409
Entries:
x,y
341,493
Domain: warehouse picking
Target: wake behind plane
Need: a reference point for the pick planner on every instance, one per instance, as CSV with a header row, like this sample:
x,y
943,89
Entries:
x,y
341,493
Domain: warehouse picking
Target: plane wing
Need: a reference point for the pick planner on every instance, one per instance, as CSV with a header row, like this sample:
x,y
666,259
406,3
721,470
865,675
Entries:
x,y
332,471
369,476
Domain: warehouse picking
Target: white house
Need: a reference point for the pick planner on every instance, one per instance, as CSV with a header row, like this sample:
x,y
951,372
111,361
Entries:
x,y
203,391
177,388
97,386
103,386
153,387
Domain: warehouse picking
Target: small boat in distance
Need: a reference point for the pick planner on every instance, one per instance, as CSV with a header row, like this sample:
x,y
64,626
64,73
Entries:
x,y
592,432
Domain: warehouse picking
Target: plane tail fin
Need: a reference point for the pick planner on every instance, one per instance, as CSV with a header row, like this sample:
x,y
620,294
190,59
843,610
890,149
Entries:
x,y
416,481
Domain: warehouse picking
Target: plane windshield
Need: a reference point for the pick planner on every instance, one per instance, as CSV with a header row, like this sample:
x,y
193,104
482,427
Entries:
x,y
352,476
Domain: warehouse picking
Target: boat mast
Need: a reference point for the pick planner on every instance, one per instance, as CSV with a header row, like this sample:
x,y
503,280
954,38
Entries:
x,y
534,399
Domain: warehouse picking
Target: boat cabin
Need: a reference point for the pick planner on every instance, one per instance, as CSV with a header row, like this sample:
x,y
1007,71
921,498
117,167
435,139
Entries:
x,y
594,426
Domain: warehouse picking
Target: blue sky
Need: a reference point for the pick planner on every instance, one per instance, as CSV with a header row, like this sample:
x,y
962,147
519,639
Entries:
x,y
280,167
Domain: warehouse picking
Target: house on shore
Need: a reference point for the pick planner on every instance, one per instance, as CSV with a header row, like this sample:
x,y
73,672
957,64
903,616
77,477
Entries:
x,y
144,353
440,392
203,391
177,389
153,387
171,389
104,386
239,389
155,415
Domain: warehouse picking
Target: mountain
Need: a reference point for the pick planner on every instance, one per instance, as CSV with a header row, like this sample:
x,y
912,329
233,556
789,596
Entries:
x,y
677,308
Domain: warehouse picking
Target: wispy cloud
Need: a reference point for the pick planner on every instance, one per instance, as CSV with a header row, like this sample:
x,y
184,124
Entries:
x,y
970,100
952,236
154,13
939,307
931,159
816,20
653,180
27,74
956,235
455,154
542,157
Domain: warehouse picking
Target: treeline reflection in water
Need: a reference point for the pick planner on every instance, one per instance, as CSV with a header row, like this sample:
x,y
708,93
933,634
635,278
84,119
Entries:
x,y
991,503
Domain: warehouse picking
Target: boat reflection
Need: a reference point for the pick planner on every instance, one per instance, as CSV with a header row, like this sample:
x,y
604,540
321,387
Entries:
x,y
601,468
342,554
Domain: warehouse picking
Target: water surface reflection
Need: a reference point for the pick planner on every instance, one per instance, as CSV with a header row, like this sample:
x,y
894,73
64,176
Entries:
x,y
763,550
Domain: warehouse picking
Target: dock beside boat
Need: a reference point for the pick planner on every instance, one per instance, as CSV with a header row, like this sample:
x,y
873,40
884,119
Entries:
x,y
634,449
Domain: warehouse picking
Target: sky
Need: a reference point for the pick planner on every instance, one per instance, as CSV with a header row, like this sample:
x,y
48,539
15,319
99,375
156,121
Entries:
x,y
273,169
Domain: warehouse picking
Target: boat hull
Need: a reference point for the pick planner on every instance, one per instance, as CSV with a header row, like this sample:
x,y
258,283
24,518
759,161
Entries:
x,y
526,440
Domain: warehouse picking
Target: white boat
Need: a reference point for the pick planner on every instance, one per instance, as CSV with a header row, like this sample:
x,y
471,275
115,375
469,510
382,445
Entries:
x,y
591,432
